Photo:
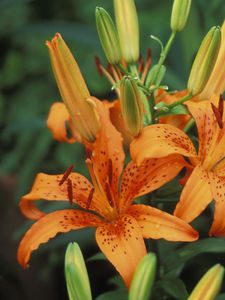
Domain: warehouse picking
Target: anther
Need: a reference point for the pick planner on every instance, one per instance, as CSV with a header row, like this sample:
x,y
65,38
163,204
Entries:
x,y
98,66
218,116
70,190
66,174
110,170
90,197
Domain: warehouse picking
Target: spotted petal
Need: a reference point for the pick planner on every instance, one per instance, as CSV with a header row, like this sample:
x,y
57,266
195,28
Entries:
x,y
195,196
157,224
217,184
47,187
123,245
161,140
47,228
150,175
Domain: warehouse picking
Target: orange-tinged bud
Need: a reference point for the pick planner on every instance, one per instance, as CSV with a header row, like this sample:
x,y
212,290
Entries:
x,y
131,106
216,82
204,61
180,13
128,29
73,89
209,285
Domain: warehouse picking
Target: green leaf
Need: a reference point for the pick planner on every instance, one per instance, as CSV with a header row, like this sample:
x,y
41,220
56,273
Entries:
x,y
174,287
117,294
180,256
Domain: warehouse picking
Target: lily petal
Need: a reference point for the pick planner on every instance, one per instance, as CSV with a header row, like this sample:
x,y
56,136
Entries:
x,y
195,196
157,224
123,245
161,140
208,129
107,153
58,118
218,191
47,187
48,226
150,175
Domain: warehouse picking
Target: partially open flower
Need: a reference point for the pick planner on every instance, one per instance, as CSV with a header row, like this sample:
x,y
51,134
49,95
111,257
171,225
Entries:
x,y
73,90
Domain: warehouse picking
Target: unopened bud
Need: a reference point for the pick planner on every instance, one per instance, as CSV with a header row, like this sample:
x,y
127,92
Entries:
x,y
209,285
131,106
73,89
204,61
77,280
143,278
180,13
128,29
155,76
108,35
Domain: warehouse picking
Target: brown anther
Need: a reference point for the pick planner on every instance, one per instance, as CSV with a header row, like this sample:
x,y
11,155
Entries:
x,y
221,105
218,116
66,174
110,171
140,64
90,197
70,190
108,194
88,153
98,66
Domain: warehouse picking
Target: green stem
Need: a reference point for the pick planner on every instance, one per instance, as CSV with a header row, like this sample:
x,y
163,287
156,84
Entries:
x,y
134,70
165,52
124,70
189,125
180,101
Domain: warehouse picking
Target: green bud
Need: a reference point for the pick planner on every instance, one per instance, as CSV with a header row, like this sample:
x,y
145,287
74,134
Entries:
x,y
143,279
209,285
108,35
128,29
180,12
77,280
131,105
204,61
155,76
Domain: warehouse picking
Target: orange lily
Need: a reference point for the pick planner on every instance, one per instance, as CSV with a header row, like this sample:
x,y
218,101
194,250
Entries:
x,y
207,180
121,226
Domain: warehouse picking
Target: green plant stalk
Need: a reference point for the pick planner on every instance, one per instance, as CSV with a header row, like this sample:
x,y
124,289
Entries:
x,y
180,101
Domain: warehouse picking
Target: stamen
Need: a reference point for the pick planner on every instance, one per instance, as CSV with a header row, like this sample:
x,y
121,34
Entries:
x,y
221,105
66,174
70,190
88,153
140,64
90,197
98,66
109,195
217,115
110,171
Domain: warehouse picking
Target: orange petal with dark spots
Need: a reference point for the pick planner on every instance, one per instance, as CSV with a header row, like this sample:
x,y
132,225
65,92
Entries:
x,y
107,152
149,176
123,245
195,196
47,228
57,122
157,224
161,140
208,129
218,191
47,187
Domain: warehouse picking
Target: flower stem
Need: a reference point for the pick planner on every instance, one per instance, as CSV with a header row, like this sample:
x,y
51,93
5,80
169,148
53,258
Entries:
x,y
180,101
189,125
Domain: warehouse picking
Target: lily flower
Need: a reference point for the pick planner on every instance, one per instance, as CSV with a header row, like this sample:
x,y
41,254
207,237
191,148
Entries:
x,y
106,203
207,179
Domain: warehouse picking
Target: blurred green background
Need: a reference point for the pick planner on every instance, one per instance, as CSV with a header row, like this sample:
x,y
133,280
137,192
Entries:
x,y
27,89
